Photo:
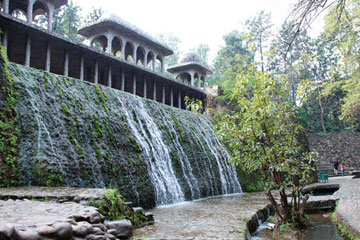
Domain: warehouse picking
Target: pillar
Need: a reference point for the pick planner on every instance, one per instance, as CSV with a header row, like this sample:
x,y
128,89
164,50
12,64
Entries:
x,y
96,74
162,64
6,6
179,99
171,97
110,77
192,79
134,54
199,80
145,87
153,63
5,38
66,64
50,16
123,50
109,44
146,58
82,69
28,51
134,83
30,11
163,93
122,79
204,84
154,91
48,57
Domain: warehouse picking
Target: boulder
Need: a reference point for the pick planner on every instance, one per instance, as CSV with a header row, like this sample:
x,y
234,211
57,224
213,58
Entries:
x,y
63,230
7,232
123,228
27,234
47,231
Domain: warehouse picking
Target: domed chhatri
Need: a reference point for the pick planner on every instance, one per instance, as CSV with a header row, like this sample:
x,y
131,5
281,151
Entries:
x,y
191,71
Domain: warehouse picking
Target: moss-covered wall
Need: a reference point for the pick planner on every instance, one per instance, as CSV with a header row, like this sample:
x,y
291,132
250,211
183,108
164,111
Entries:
x,y
74,133
8,126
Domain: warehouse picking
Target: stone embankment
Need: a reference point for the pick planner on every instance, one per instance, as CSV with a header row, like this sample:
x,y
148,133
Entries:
x,y
58,216
348,208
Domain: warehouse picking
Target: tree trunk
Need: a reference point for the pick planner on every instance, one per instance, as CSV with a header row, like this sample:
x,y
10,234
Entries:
x,y
322,116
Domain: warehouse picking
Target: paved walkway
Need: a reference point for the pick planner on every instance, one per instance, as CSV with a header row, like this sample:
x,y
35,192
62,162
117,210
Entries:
x,y
348,209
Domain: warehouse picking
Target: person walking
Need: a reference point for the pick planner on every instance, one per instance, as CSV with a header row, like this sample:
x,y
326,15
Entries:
x,y
342,168
336,167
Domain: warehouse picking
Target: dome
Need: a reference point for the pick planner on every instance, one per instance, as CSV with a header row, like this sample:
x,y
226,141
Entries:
x,y
190,57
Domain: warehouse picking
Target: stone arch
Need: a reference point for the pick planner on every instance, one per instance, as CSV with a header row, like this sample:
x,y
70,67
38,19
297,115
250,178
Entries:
x,y
184,77
159,63
99,42
140,56
202,79
39,8
150,60
129,51
19,14
117,44
196,79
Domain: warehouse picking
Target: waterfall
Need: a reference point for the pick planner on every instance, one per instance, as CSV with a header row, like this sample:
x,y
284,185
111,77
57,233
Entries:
x,y
76,134
155,151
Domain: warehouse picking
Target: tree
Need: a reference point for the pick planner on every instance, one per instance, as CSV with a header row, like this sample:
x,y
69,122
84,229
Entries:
x,y
203,51
264,135
93,16
71,21
234,57
345,33
170,40
259,28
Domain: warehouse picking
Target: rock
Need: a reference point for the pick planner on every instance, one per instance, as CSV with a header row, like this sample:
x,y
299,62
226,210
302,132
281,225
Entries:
x,y
149,218
101,226
139,210
95,217
78,217
110,236
82,229
63,231
7,232
97,231
123,228
28,234
95,237
112,232
47,231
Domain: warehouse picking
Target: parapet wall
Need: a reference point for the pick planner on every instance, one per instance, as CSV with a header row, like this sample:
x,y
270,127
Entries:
x,y
342,146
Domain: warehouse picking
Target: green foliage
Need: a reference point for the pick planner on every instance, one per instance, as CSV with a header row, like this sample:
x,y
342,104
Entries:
x,y
344,231
263,136
8,126
195,106
112,205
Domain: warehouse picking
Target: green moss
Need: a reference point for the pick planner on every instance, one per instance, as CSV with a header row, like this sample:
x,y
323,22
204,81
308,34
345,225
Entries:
x,y
65,82
8,126
344,231
65,109
86,94
80,151
103,98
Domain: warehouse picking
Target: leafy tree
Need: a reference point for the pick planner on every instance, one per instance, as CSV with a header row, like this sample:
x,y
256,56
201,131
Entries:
x,y
93,16
264,135
259,29
234,57
71,21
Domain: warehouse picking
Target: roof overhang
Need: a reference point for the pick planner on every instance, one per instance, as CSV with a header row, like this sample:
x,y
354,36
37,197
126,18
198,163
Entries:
x,y
188,66
127,29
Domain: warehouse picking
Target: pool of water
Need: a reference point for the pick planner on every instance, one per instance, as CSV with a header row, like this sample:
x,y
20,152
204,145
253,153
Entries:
x,y
211,218
321,228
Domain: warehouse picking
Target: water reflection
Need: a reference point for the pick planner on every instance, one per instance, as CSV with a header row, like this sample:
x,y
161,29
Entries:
x,y
210,218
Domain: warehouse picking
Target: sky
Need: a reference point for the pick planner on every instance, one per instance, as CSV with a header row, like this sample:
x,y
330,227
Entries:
x,y
193,21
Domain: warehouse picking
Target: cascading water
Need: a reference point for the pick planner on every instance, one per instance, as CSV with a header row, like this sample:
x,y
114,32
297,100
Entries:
x,y
73,133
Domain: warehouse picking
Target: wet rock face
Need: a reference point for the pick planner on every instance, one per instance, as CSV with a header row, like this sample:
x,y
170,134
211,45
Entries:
x,y
33,220
76,134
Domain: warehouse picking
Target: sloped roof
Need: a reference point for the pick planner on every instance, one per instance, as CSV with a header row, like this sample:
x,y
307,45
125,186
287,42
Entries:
x,y
111,21
189,60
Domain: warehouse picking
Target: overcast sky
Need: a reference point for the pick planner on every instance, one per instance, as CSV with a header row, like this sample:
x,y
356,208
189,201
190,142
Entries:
x,y
193,21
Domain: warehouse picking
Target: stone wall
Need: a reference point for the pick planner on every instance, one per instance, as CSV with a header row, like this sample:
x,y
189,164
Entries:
x,y
342,146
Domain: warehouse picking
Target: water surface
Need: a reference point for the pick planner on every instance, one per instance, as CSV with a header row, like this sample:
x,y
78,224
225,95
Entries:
x,y
210,218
